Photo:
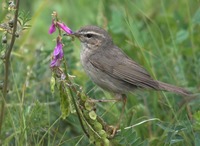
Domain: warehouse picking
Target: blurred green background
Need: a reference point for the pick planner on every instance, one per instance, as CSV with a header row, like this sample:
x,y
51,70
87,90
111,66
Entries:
x,y
163,36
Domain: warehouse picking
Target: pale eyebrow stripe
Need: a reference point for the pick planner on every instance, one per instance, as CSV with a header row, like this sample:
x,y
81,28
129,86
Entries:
x,y
92,32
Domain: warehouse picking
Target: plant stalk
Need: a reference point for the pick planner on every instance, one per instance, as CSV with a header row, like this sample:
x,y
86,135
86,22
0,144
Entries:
x,y
7,66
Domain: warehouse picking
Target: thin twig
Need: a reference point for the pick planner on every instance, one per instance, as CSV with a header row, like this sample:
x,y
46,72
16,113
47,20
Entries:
x,y
7,65
142,122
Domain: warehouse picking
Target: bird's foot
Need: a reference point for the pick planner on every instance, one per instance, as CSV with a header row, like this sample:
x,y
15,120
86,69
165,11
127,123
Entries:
x,y
113,131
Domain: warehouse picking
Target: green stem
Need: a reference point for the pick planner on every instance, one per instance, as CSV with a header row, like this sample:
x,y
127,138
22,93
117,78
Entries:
x,y
7,66
73,98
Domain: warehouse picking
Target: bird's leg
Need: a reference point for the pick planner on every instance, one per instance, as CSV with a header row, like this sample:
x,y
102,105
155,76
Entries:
x,y
123,99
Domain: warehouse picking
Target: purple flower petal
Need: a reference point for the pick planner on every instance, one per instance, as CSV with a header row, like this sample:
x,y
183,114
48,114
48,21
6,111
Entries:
x,y
53,63
61,54
65,28
57,49
52,28
57,54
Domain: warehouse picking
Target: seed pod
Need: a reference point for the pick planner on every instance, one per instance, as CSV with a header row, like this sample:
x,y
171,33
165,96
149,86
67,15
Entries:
x,y
98,127
88,106
92,115
11,23
16,34
106,142
103,134
11,5
4,39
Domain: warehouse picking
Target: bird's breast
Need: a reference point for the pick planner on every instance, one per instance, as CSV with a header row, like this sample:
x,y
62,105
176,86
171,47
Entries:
x,y
85,55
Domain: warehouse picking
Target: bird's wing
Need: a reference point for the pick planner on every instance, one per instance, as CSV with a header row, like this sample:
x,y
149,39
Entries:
x,y
119,66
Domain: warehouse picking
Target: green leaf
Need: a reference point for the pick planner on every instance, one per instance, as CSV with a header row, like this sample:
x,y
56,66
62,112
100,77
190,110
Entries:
x,y
129,137
197,138
71,104
181,36
197,119
180,128
165,127
196,17
64,102
176,139
197,116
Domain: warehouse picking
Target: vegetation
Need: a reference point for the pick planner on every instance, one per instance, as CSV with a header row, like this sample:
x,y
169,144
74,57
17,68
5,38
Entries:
x,y
163,36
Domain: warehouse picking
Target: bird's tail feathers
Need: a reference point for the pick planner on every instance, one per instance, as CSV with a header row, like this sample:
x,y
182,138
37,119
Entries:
x,y
175,89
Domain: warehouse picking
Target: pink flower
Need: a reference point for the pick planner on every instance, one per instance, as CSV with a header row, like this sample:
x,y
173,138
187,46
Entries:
x,y
57,54
58,51
65,28
52,28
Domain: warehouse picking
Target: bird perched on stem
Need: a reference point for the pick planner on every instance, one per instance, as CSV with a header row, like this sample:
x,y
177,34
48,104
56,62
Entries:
x,y
111,69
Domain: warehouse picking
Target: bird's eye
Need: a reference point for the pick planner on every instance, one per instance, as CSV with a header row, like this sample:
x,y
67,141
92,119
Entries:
x,y
88,35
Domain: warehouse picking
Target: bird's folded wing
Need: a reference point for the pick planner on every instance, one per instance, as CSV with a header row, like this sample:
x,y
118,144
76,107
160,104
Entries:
x,y
125,70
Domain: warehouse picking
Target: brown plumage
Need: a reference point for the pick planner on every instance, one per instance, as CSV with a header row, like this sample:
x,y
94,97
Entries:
x,y
111,69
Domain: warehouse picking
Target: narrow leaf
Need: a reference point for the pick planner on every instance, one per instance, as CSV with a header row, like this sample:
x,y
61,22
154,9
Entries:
x,y
64,102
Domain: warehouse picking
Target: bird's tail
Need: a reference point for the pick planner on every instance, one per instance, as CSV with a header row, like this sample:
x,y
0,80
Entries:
x,y
172,88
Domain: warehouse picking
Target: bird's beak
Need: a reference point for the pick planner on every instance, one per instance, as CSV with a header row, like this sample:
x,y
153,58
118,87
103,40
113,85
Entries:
x,y
76,34
73,35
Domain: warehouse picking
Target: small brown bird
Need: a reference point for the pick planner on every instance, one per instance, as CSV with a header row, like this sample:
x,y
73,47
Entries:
x,y
111,69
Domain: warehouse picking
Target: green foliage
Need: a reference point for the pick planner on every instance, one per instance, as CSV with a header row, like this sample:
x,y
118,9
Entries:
x,y
197,120
64,101
196,17
24,18
163,36
129,137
